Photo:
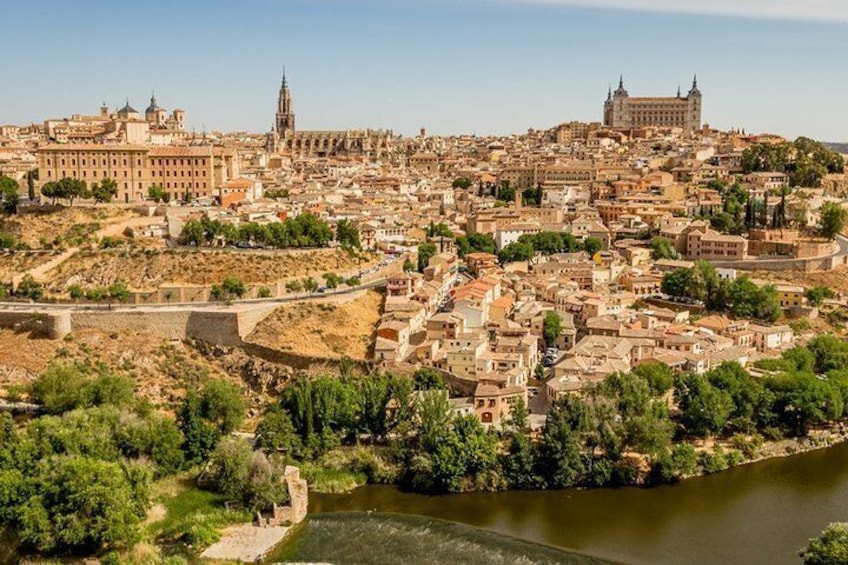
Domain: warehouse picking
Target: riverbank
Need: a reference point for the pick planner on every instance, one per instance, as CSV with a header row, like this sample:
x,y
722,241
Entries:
x,y
763,513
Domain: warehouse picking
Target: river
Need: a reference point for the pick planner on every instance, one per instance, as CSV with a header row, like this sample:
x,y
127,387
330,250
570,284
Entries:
x,y
759,513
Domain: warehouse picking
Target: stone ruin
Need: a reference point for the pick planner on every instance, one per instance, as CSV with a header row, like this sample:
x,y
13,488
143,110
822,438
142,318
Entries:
x,y
293,512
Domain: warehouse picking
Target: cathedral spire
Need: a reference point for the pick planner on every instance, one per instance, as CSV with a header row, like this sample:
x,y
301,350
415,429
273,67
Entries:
x,y
695,82
621,81
284,84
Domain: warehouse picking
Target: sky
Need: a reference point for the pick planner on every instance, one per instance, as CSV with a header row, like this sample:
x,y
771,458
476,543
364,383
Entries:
x,y
451,66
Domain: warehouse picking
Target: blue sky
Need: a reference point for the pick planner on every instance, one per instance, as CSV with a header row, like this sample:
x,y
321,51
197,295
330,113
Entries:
x,y
452,66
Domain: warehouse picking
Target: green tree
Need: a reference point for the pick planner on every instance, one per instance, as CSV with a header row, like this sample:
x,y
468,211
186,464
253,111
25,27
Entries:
x,y
204,418
438,230
347,234
427,378
83,504
31,177
104,191
239,473
830,548
475,243
234,287
661,248
659,376
294,286
818,294
551,328
801,400
751,401
833,218
310,285
677,282
119,291
425,252
560,460
9,194
75,292
332,280
461,182
408,265
705,408
592,245
157,193
29,288
516,251
276,433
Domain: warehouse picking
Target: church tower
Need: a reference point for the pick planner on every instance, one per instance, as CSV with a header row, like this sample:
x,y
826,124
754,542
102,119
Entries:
x,y
285,113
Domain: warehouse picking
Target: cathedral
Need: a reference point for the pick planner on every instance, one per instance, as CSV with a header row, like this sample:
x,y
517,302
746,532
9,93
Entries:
x,y
370,144
624,111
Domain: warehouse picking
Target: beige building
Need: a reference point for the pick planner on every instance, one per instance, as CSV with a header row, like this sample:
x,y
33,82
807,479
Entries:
x,y
623,111
196,171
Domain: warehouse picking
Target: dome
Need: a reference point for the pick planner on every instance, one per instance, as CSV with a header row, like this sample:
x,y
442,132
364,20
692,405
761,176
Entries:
x,y
127,109
153,107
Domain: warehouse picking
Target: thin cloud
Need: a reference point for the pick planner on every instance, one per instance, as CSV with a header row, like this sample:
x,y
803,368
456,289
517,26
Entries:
x,y
835,11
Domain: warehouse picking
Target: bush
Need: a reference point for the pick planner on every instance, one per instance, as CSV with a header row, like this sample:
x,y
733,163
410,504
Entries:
x,y
714,462
29,288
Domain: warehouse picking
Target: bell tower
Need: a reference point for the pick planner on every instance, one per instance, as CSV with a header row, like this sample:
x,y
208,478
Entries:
x,y
285,112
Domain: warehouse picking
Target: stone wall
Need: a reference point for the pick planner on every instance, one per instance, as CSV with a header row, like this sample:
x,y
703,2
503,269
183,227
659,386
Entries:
x,y
295,511
215,327
54,325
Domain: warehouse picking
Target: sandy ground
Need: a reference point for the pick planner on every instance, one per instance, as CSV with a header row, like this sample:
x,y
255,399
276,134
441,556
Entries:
x,y
323,329
247,543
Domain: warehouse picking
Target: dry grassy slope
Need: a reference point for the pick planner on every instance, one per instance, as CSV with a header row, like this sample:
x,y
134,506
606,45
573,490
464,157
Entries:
x,y
326,329
12,265
31,228
837,279
146,269
163,371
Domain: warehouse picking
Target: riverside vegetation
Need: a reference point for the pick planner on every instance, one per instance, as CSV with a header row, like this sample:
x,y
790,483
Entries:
x,y
636,428
82,477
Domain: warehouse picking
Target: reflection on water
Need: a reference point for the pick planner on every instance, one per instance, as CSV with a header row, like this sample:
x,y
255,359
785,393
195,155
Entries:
x,y
760,513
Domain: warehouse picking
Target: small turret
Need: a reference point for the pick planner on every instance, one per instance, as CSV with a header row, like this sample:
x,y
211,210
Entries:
x,y
621,91
694,91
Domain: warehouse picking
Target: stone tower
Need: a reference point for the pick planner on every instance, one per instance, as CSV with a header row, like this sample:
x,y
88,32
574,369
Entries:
x,y
285,111
693,119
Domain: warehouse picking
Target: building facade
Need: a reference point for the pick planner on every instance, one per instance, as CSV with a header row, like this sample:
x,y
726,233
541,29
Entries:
x,y
623,111
182,171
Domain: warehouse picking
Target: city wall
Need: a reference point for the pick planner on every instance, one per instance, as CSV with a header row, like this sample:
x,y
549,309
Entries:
x,y
215,327
806,265
55,325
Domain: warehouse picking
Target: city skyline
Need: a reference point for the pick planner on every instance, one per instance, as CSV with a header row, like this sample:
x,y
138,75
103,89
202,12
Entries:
x,y
471,67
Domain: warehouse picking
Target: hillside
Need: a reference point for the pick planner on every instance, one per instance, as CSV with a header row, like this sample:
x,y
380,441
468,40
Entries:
x,y
329,329
67,227
148,269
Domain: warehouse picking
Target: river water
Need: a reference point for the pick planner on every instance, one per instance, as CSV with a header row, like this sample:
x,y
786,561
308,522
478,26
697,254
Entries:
x,y
759,513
